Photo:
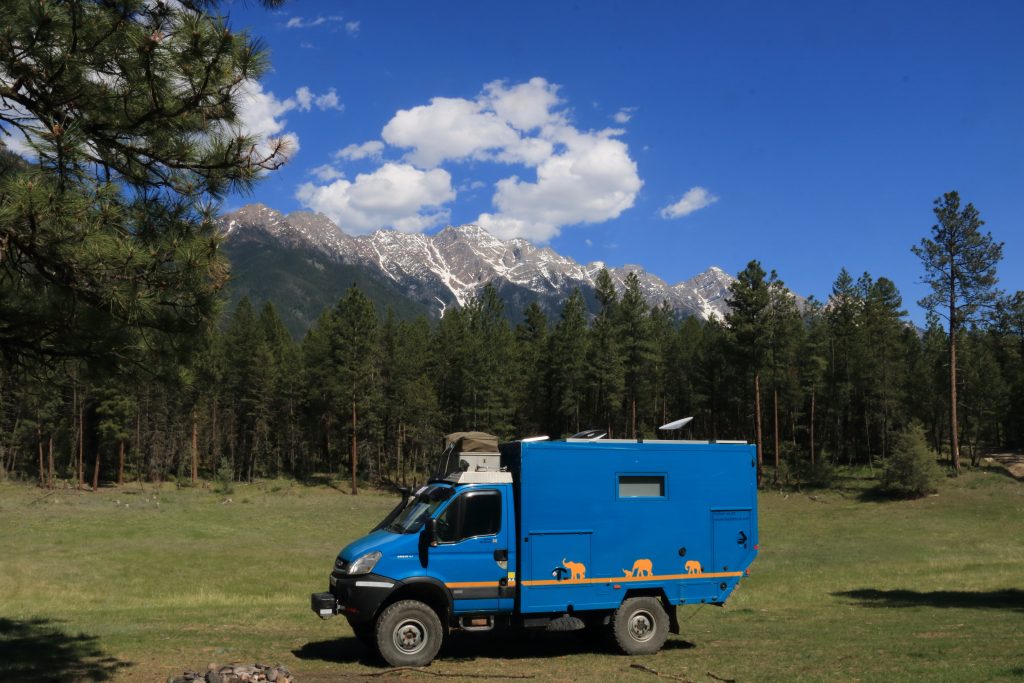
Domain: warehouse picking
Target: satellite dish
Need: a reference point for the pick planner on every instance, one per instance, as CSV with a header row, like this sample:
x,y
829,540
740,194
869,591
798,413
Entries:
x,y
678,424
535,438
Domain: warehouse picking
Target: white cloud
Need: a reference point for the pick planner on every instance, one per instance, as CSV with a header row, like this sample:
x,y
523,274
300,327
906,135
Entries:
x,y
302,22
260,115
696,198
352,27
527,105
329,100
306,99
623,115
367,150
17,143
580,176
326,173
395,195
448,129
593,180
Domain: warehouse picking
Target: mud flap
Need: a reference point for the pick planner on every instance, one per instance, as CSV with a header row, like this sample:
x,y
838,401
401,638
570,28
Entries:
x,y
673,620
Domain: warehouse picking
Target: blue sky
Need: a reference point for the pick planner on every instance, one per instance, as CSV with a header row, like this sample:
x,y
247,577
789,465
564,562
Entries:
x,y
668,134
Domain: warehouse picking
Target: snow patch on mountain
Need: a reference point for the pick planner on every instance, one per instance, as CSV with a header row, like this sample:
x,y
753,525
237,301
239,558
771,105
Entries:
x,y
455,264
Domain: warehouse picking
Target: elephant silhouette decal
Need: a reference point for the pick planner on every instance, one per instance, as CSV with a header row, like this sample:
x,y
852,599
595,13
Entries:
x,y
577,570
641,567
693,567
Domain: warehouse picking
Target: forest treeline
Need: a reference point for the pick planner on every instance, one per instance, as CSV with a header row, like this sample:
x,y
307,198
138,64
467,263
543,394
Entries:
x,y
368,397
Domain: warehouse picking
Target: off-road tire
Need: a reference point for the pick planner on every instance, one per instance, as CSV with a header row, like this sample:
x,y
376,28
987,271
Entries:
x,y
639,626
409,633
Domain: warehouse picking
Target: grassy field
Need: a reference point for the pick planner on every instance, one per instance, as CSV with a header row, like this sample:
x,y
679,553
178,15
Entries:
x,y
135,585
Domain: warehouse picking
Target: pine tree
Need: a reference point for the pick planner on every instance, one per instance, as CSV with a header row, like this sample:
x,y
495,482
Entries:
x,y
883,329
533,371
638,354
844,307
130,112
605,364
784,330
749,300
354,355
960,267
569,351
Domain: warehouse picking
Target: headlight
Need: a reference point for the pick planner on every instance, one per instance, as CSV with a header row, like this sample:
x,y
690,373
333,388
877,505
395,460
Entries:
x,y
365,564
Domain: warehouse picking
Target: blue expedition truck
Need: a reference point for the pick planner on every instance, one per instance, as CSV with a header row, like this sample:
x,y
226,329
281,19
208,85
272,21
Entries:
x,y
602,534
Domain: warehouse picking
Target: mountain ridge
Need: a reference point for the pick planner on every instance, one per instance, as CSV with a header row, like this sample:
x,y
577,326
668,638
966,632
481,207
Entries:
x,y
449,268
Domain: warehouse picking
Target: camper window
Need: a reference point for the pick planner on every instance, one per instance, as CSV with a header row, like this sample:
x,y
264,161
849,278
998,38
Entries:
x,y
641,486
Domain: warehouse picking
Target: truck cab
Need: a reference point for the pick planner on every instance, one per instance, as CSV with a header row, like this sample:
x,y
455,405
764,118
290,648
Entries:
x,y
605,534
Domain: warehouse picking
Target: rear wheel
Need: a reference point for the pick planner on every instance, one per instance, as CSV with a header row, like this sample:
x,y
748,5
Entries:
x,y
640,626
409,633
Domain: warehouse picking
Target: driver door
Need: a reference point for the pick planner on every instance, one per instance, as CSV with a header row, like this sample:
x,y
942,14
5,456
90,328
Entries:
x,y
471,536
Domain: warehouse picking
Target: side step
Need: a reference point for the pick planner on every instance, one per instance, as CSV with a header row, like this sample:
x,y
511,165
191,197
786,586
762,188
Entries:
x,y
469,622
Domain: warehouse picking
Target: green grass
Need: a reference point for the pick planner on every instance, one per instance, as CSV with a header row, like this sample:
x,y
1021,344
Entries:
x,y
131,585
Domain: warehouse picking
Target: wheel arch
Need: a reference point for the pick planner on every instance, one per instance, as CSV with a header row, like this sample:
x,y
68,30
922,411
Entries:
x,y
427,590
659,593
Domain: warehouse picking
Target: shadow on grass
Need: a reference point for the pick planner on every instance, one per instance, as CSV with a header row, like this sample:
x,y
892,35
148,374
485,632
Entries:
x,y
1011,599
465,647
36,650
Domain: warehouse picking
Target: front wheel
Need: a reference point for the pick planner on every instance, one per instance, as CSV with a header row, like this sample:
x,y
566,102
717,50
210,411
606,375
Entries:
x,y
640,626
409,633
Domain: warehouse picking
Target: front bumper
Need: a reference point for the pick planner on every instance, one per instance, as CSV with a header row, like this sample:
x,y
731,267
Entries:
x,y
355,597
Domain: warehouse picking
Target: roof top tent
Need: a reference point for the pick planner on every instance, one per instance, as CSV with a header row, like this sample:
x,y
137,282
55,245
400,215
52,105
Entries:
x,y
468,452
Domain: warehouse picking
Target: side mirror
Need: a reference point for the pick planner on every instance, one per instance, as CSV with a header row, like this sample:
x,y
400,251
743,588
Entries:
x,y
430,529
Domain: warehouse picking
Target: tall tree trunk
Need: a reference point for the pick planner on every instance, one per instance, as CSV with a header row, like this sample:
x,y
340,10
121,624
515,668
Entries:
x,y
399,465
81,444
42,470
195,448
812,425
775,435
355,490
757,425
633,405
867,436
120,462
49,474
138,439
96,473
74,421
954,437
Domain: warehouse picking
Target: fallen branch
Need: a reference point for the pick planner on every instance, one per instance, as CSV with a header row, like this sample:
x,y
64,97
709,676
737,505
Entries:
x,y
674,677
418,670
719,678
32,502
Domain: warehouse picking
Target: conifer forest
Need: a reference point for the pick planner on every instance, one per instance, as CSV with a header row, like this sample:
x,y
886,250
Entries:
x,y
367,397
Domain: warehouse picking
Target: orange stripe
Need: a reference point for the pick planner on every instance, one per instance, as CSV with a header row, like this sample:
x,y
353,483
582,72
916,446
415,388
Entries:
x,y
624,579
472,584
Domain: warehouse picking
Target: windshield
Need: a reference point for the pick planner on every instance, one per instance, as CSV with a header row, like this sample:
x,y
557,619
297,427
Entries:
x,y
420,507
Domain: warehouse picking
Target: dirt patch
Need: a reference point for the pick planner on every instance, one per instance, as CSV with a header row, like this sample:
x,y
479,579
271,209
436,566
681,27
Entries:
x,y
1011,462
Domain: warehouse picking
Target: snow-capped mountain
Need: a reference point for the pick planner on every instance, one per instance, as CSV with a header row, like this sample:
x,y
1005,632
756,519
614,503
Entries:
x,y
451,267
